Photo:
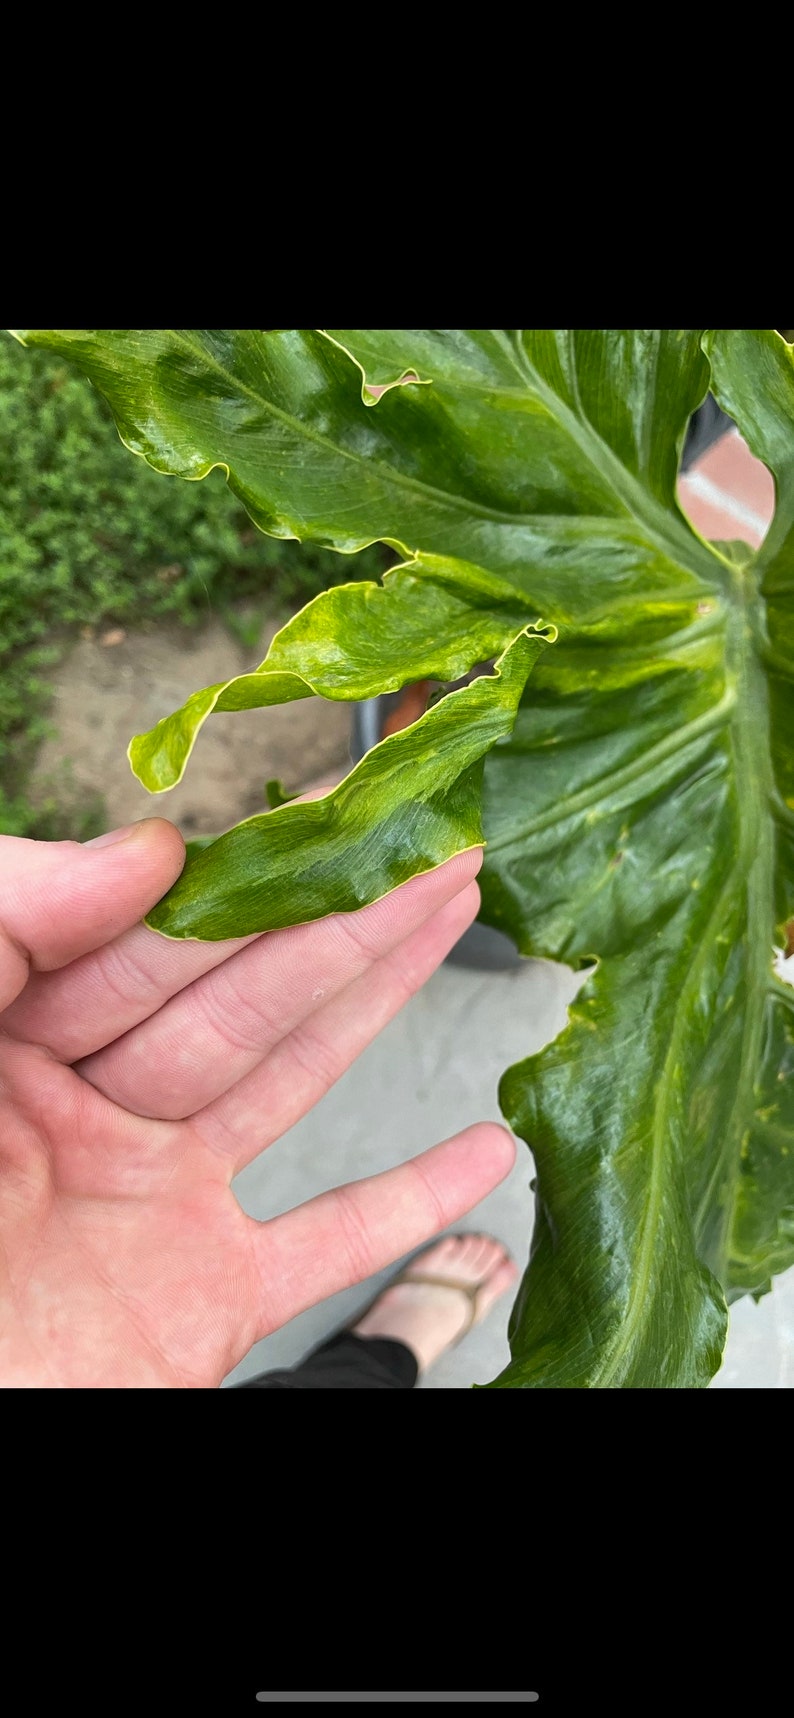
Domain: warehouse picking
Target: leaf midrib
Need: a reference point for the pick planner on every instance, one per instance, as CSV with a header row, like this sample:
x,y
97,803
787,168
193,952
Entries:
x,y
750,731
754,855
660,1151
750,745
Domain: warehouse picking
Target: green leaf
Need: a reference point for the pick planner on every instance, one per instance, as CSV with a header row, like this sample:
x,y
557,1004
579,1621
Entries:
x,y
655,840
411,803
639,815
432,618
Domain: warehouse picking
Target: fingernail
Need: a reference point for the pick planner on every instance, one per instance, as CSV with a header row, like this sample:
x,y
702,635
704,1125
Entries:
x,y
112,836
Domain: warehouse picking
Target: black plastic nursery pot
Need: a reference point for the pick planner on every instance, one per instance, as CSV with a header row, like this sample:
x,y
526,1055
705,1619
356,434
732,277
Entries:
x,y
481,946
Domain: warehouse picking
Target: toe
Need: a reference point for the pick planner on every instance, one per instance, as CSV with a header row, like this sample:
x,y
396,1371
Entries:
x,y
503,1278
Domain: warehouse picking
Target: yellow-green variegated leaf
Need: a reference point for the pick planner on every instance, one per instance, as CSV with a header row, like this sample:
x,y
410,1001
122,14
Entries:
x,y
639,813
412,802
431,619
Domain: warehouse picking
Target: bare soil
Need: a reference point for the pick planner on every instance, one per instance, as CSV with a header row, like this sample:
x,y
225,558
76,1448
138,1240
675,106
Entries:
x,y
106,692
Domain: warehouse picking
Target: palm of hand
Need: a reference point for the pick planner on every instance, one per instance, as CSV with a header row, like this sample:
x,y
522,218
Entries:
x,y
129,1256
137,1077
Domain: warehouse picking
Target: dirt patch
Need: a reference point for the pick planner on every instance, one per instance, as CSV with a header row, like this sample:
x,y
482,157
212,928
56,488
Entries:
x,y
103,694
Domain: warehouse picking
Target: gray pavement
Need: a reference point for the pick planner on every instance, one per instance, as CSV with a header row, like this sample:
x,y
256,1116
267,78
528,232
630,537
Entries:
x,y
434,1070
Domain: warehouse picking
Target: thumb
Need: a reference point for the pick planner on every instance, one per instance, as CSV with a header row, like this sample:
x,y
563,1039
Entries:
x,y
59,899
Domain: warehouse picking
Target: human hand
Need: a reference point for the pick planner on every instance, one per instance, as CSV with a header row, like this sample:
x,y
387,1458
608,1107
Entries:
x,y
138,1075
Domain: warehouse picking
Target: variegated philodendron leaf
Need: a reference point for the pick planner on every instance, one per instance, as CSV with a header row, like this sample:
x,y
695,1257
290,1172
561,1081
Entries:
x,y
638,807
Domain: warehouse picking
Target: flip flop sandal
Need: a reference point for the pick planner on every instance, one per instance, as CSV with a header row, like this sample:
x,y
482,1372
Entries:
x,y
472,1291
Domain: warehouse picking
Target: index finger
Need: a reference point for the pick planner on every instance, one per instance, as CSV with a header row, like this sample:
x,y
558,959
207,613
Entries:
x,y
102,996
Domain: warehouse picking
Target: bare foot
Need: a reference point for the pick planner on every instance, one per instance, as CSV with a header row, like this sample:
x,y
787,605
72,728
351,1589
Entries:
x,y
429,1317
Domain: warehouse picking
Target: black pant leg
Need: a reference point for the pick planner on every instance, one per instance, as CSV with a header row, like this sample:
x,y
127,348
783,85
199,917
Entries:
x,y
345,1362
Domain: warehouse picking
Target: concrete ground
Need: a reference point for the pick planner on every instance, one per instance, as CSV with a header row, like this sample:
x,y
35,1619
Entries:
x,y
434,1070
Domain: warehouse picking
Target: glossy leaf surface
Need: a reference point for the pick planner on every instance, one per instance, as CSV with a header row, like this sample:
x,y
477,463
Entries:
x,y
640,814
411,803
